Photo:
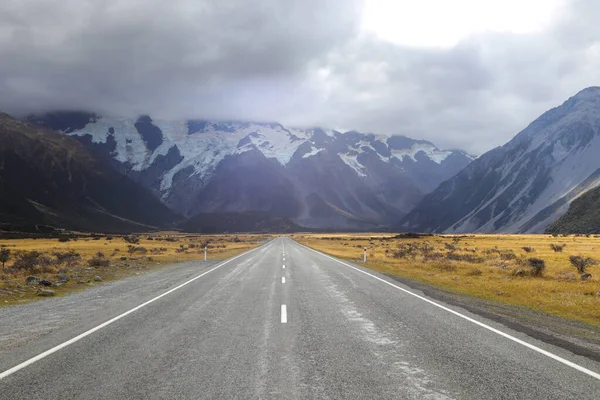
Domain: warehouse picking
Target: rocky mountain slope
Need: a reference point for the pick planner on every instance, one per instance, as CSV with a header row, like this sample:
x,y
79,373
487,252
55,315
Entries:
x,y
315,177
526,184
50,178
583,215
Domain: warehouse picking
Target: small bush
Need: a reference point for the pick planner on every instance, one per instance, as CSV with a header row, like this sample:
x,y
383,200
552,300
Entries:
x,y
558,248
405,250
527,249
508,255
236,239
98,260
30,260
70,257
64,239
582,263
137,249
4,256
450,247
537,266
132,239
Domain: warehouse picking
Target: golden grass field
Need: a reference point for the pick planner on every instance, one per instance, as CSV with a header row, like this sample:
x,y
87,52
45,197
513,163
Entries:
x,y
78,259
492,267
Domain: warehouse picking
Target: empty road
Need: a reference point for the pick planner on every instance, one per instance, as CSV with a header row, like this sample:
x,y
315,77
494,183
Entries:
x,y
286,322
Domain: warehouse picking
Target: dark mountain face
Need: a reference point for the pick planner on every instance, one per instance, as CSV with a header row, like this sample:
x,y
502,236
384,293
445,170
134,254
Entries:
x,y
317,178
526,184
50,178
583,215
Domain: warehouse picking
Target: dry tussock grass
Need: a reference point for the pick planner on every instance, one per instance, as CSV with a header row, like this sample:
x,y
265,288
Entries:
x,y
524,270
81,258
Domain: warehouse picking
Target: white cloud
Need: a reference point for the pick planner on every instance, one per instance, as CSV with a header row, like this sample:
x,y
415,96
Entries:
x,y
457,73
442,23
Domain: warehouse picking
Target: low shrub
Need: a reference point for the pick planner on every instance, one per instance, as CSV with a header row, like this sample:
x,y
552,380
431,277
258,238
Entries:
x,y
31,260
137,249
69,258
132,239
537,266
558,248
450,247
508,255
527,249
582,263
4,256
99,260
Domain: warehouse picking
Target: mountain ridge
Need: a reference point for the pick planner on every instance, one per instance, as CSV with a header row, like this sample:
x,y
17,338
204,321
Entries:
x,y
315,177
526,184
50,178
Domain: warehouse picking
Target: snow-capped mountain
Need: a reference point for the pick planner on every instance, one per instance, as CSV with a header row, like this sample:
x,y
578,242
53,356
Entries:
x,y
47,178
526,184
317,177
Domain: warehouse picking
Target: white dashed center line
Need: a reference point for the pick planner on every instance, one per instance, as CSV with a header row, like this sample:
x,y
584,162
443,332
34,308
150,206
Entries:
x,y
283,266
283,279
283,314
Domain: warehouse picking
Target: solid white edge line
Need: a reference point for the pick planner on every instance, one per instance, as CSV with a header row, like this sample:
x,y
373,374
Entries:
x,y
481,324
77,338
283,314
283,279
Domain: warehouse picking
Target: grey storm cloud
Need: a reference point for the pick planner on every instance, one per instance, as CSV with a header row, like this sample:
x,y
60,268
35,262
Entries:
x,y
298,62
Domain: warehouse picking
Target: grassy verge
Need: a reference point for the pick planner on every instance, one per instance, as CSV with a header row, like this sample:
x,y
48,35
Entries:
x,y
35,266
535,271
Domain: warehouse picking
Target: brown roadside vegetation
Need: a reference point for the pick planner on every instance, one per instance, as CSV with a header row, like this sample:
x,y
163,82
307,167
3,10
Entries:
x,y
34,267
550,273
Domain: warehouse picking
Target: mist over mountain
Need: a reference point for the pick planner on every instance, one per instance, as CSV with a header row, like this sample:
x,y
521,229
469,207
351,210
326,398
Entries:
x,y
526,184
318,178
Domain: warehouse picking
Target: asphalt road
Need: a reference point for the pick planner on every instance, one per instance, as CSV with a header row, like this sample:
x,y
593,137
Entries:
x,y
328,330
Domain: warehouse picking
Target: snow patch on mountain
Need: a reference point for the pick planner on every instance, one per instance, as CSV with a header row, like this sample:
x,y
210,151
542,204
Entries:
x,y
352,162
313,152
430,151
202,145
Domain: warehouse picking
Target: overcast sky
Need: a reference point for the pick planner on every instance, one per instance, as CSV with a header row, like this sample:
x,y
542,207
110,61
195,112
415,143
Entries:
x,y
463,73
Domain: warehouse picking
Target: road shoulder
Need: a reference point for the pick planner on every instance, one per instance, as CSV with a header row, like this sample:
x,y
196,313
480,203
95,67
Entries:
x,y
578,337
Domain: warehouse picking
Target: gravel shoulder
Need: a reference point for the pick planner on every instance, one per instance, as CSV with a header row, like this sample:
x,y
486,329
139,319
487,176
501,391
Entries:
x,y
578,337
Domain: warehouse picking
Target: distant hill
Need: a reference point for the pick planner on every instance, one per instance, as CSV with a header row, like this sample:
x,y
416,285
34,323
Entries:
x,y
239,222
48,178
583,215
